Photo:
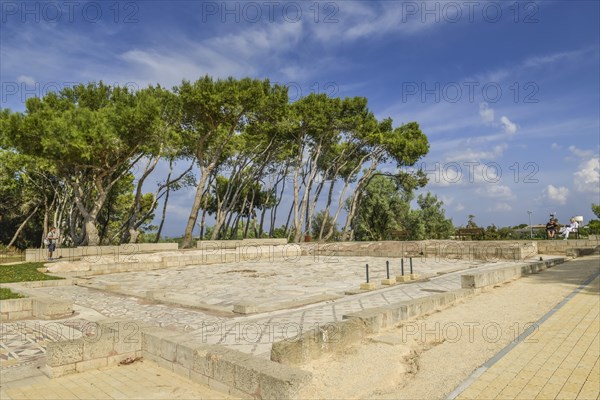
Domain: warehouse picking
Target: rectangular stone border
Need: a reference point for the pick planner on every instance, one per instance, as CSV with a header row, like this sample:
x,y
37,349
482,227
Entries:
x,y
226,370
34,307
110,341
32,255
355,327
472,250
217,256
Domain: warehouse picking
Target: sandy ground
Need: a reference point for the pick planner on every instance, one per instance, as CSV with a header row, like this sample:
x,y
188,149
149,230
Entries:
x,y
428,357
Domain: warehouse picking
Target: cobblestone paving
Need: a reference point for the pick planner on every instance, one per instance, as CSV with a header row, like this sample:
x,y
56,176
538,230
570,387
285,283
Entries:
x,y
270,284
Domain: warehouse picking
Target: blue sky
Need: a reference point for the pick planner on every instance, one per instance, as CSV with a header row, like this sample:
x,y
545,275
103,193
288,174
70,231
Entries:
x,y
507,92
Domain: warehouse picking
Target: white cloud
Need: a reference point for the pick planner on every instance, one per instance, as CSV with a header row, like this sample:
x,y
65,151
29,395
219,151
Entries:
x,y
468,154
508,126
495,191
587,179
580,152
28,80
486,113
459,207
557,194
501,207
555,146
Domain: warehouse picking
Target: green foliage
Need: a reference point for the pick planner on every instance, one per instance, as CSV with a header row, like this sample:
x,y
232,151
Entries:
x,y
594,227
279,233
24,273
320,219
432,215
6,294
78,159
471,222
384,207
596,210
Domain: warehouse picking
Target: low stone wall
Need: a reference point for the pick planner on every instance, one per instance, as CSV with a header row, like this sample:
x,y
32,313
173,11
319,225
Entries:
x,y
229,371
233,244
92,252
34,307
561,247
439,249
113,342
356,326
246,253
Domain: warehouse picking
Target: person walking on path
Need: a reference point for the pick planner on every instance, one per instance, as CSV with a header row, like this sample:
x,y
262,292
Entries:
x,y
52,238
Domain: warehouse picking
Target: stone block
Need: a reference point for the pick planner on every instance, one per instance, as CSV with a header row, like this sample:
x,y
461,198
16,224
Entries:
x,y
245,308
152,337
223,367
17,315
64,352
169,345
202,364
414,276
168,365
46,308
186,351
246,378
58,371
14,305
367,286
280,381
98,346
391,281
402,278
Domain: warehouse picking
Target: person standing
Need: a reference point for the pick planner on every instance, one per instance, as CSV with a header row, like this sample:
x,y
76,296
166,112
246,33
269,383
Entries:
x,y
52,238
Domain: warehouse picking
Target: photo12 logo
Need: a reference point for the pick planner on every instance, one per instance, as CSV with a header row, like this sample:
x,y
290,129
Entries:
x,y
472,11
270,11
25,88
126,12
470,91
475,171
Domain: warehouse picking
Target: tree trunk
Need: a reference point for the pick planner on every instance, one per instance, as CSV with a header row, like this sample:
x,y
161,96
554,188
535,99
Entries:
x,y
162,219
187,236
14,238
91,232
347,233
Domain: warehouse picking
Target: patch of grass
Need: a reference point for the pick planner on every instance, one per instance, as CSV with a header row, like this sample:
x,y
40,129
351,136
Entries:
x,y
6,294
4,259
23,273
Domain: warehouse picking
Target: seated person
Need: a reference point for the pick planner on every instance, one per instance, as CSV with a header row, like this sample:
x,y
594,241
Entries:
x,y
551,228
568,229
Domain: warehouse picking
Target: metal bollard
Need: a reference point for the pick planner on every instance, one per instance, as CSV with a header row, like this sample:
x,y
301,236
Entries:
x,y
402,265
387,269
367,269
411,266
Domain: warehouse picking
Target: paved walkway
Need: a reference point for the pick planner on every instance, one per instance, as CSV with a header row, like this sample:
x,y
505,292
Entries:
x,y
143,380
560,360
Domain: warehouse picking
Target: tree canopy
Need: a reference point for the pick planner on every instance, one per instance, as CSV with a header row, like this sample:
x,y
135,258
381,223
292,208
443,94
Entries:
x,y
81,159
